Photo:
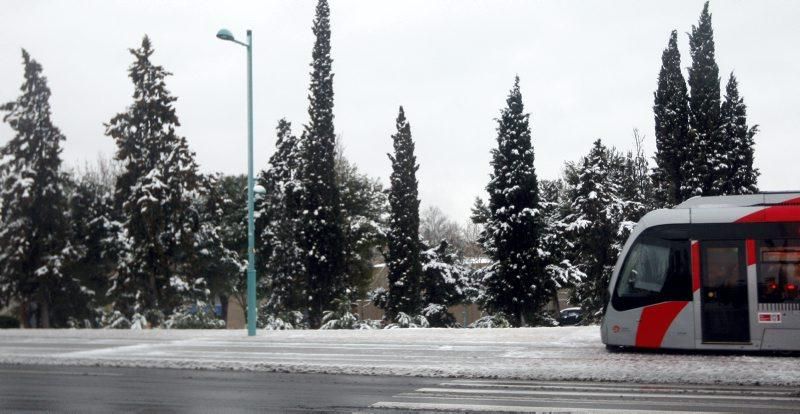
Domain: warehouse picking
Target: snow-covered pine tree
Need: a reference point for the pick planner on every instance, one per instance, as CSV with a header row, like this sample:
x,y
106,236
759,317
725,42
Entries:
x,y
403,255
93,231
593,223
515,282
282,266
219,265
556,245
34,227
232,219
671,110
156,193
444,283
323,239
738,143
705,165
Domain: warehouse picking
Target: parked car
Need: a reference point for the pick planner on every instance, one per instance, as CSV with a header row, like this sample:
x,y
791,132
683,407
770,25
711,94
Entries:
x,y
570,316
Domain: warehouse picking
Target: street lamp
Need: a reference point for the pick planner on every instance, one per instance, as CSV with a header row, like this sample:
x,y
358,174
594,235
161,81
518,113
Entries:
x,y
226,34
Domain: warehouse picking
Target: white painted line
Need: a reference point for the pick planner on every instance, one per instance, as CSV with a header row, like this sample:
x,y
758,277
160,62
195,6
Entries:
x,y
623,388
718,405
613,384
602,394
515,408
44,372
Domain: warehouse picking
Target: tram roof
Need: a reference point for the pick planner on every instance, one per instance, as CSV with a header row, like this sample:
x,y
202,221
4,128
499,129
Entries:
x,y
749,200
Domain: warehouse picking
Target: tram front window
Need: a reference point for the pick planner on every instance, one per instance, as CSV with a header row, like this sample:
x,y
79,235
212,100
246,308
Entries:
x,y
779,271
656,270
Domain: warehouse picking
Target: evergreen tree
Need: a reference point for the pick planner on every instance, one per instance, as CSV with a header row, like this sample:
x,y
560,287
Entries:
x,y
232,219
738,142
93,231
323,239
156,194
34,227
705,165
515,283
282,266
671,110
403,256
219,265
556,244
364,206
444,283
593,224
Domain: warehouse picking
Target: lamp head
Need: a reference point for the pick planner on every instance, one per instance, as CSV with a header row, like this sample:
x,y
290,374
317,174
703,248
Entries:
x,y
225,34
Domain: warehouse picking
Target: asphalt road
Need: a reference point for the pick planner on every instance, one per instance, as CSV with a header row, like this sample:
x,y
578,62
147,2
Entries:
x,y
33,388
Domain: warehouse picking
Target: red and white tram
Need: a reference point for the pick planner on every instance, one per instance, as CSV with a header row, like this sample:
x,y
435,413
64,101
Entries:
x,y
711,273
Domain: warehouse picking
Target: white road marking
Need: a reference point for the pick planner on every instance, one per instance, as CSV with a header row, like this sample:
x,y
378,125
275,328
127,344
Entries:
x,y
513,408
611,400
622,388
78,373
601,394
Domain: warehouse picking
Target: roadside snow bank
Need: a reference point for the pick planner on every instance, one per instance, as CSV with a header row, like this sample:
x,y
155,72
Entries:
x,y
568,353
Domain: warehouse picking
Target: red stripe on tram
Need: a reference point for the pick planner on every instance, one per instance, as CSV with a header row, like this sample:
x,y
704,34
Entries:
x,y
695,266
655,321
787,211
751,252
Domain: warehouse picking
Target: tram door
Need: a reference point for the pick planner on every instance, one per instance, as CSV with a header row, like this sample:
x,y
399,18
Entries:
x,y
724,305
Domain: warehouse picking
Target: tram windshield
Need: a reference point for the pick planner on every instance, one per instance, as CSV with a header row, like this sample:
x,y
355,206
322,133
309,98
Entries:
x,y
656,270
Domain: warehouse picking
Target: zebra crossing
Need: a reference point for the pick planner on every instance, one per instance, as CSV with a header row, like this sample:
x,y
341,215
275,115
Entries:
x,y
590,398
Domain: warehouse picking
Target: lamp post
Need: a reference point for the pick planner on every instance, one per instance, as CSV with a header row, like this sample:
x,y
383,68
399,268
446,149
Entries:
x,y
225,34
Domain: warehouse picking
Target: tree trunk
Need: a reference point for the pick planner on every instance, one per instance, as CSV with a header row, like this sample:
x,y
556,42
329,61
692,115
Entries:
x,y
44,314
151,284
24,319
556,304
223,301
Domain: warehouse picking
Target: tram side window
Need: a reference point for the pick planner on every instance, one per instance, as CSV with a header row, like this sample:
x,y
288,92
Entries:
x,y
656,270
779,271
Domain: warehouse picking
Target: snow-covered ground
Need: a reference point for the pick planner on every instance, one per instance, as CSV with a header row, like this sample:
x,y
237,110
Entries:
x,y
568,353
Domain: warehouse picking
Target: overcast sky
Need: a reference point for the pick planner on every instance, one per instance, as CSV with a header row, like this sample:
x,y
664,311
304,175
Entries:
x,y
588,70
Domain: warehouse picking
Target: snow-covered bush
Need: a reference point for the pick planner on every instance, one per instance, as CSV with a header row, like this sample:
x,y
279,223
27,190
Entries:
x,y
114,320
498,320
543,319
379,297
339,318
403,320
139,322
437,315
195,316
366,324
283,321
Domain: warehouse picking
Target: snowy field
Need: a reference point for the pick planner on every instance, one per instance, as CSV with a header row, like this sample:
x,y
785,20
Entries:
x,y
568,353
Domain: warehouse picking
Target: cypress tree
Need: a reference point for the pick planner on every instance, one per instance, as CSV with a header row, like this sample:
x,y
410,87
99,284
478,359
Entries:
x,y
671,110
704,115
321,213
156,192
738,143
403,257
34,227
515,283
